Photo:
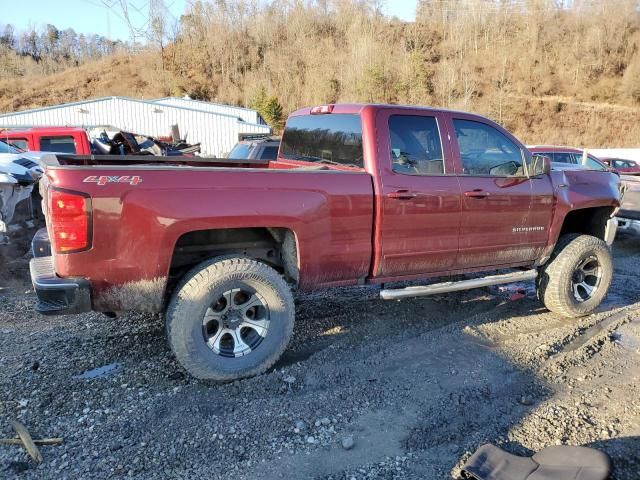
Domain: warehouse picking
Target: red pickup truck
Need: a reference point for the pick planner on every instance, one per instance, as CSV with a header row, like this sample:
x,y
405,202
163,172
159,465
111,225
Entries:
x,y
71,140
359,194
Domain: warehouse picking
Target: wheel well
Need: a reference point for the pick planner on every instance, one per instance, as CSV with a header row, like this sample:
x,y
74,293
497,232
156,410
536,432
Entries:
x,y
589,221
274,246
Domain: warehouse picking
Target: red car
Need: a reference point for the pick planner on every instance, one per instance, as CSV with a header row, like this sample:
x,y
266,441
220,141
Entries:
x,y
359,194
627,167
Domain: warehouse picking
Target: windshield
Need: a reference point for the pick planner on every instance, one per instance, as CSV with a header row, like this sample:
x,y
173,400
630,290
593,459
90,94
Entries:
x,y
594,163
241,150
6,148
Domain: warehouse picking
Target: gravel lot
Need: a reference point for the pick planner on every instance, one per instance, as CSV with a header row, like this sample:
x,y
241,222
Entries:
x,y
367,388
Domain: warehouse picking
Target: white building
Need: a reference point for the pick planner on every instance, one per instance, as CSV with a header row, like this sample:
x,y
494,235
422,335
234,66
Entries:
x,y
216,127
246,114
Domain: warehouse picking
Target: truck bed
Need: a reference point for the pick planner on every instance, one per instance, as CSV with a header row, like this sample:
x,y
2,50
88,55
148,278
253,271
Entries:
x,y
141,207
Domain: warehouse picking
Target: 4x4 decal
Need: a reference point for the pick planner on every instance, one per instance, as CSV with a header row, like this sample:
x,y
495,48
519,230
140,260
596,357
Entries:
x,y
104,179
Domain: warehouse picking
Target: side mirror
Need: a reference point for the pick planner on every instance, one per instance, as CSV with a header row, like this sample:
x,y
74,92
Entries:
x,y
540,165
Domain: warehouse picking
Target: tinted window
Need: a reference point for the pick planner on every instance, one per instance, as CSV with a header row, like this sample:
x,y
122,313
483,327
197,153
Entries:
x,y
415,145
6,148
623,164
487,151
20,143
269,153
329,138
241,150
562,157
58,144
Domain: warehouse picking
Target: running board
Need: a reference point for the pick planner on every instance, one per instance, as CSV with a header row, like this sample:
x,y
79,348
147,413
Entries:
x,y
446,287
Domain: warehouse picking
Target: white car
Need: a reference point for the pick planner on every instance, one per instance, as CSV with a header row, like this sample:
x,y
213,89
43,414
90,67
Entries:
x,y
11,156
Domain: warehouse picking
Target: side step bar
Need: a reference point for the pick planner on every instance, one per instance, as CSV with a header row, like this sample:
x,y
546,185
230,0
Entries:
x,y
446,287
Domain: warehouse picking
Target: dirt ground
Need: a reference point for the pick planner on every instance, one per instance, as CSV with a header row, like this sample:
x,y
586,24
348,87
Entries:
x,y
367,389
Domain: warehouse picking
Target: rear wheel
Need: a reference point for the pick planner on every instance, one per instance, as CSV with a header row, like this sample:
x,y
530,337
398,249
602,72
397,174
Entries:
x,y
230,318
577,277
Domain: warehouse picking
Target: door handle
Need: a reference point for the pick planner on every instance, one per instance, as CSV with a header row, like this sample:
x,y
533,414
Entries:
x,y
402,195
477,193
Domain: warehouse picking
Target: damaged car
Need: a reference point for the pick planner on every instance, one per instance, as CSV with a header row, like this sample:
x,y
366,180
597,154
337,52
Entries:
x,y
19,172
16,187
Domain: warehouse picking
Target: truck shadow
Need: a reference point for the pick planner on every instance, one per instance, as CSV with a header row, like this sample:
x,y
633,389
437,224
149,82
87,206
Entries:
x,y
625,456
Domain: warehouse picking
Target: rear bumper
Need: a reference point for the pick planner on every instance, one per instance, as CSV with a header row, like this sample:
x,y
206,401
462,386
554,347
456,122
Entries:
x,y
56,295
628,214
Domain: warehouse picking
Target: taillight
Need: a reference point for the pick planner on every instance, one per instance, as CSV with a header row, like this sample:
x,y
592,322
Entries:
x,y
70,221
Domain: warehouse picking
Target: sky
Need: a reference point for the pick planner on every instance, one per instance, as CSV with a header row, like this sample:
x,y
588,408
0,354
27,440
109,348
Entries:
x,y
92,16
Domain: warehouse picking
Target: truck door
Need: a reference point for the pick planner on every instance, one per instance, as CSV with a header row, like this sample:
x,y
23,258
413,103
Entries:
x,y
500,225
419,195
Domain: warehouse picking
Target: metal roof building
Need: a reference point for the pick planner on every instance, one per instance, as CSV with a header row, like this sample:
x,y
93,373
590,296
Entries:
x,y
246,114
216,127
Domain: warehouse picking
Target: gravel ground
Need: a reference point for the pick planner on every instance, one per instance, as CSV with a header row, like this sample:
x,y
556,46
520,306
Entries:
x,y
367,389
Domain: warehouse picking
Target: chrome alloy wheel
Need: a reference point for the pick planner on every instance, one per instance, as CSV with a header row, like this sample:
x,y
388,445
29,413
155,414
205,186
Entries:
x,y
586,278
236,323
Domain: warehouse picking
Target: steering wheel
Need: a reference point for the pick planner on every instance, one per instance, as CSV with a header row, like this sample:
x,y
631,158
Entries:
x,y
402,160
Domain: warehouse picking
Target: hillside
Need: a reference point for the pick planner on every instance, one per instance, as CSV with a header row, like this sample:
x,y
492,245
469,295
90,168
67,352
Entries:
x,y
551,74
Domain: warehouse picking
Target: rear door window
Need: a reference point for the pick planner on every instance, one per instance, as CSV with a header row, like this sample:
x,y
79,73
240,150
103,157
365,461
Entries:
x,y
58,144
416,148
329,138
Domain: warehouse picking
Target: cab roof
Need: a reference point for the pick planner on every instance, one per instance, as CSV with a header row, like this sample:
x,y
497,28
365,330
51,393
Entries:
x,y
555,148
358,108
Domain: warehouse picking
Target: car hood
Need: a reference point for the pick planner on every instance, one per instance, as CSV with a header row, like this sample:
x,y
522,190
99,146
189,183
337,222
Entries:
x,y
20,168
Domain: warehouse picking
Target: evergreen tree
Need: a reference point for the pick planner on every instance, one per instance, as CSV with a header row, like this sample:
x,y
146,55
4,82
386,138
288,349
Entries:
x,y
272,114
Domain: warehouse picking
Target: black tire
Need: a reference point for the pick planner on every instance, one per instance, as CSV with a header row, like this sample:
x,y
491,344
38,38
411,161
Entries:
x,y
194,299
558,283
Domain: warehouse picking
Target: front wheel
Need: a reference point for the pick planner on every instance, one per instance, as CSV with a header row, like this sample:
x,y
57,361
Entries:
x,y
577,277
230,318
